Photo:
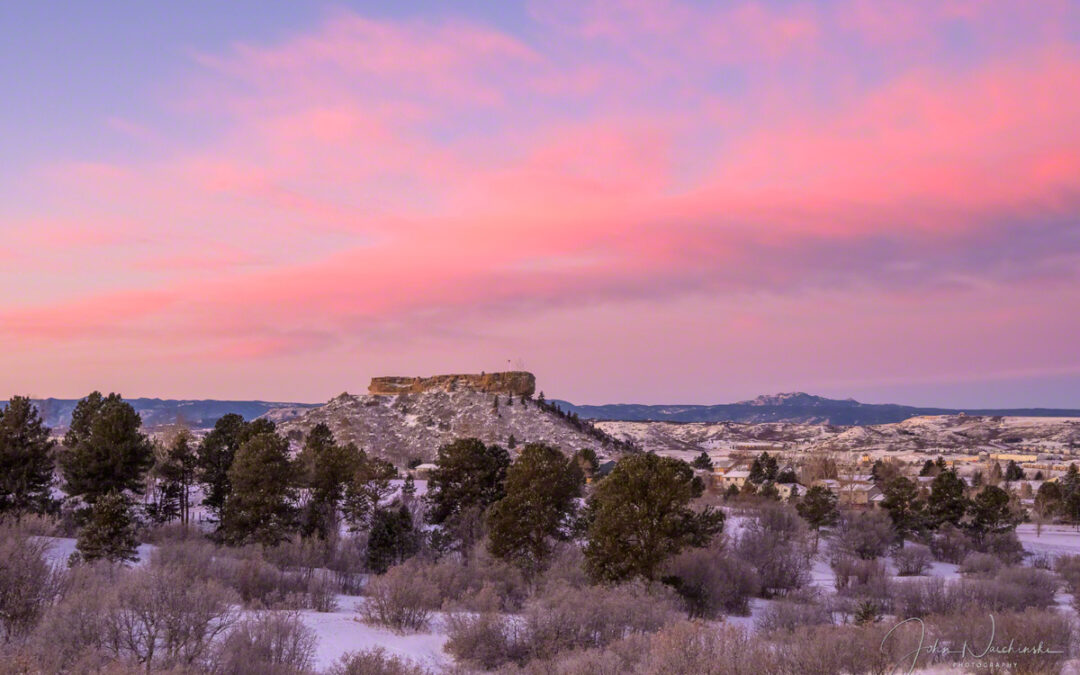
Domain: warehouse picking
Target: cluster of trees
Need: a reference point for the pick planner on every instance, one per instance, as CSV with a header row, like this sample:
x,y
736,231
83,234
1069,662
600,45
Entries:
x,y
256,493
636,518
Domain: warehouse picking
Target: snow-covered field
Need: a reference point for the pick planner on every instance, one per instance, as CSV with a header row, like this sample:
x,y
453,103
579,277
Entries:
x,y
343,631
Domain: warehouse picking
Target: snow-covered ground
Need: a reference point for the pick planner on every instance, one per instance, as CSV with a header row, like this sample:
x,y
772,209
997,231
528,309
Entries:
x,y
343,631
1055,540
61,548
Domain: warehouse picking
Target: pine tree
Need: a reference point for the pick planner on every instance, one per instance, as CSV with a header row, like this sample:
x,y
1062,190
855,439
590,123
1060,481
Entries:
x,y
408,488
639,516
325,468
392,539
904,506
109,533
818,507
368,486
216,453
588,462
946,503
260,508
702,462
104,451
927,468
469,475
991,513
764,468
26,464
542,487
1013,471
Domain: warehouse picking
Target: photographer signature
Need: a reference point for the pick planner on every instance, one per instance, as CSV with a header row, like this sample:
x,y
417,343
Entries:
x,y
964,651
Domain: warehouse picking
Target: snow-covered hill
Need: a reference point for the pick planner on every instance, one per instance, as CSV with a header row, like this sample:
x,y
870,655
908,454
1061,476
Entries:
x,y
955,433
413,426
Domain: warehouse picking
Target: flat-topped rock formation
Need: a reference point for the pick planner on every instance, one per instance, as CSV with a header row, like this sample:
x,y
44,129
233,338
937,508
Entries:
x,y
514,383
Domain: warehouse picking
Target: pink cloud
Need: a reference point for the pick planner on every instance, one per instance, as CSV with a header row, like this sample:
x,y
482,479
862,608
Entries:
x,y
372,177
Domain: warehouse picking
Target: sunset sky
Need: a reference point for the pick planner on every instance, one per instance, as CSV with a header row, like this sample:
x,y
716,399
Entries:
x,y
638,201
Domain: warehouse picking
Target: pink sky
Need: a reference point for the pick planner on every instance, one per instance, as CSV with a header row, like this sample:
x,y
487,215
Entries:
x,y
647,202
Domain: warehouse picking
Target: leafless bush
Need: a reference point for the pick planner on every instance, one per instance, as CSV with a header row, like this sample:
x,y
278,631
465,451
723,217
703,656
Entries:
x,y
479,583
375,661
560,620
777,544
399,599
567,567
950,544
570,618
912,560
980,564
1042,561
690,647
864,534
791,613
162,618
1005,545
1012,589
711,581
916,598
28,583
275,643
1068,566
1023,631
171,532
486,640
826,650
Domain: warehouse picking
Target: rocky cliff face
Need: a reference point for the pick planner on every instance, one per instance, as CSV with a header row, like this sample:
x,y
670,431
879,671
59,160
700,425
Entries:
x,y
513,383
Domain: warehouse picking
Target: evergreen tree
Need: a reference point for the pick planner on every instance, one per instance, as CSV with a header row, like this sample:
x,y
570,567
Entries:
x,y
1013,471
904,506
104,451
325,468
26,464
511,442
991,513
818,507
787,476
703,462
946,503
469,475
392,539
731,492
173,477
109,534
542,487
408,488
367,488
260,508
927,468
640,515
587,461
216,453
763,468
1048,503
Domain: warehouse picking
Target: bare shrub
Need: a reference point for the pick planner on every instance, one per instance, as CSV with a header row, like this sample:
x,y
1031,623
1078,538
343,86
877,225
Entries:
x,y
864,534
690,647
162,618
1005,545
1023,631
485,640
1029,587
479,583
950,544
75,630
399,599
567,567
1042,561
912,560
1068,566
778,545
28,583
561,620
171,532
791,613
827,650
375,661
980,564
916,598
275,643
571,618
711,581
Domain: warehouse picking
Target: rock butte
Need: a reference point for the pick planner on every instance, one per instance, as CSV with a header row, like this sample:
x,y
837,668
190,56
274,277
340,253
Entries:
x,y
515,383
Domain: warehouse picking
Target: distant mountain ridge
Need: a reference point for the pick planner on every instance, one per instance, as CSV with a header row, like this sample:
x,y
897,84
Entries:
x,y
156,412
795,407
